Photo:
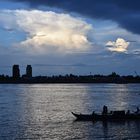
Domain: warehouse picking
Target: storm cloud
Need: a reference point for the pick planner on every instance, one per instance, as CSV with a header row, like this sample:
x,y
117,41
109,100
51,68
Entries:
x,y
43,35
125,12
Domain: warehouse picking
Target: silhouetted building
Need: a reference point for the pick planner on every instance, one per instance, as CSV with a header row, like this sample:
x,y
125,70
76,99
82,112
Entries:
x,y
29,71
16,71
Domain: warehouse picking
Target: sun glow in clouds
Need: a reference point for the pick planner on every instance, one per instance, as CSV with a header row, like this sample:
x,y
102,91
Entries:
x,y
120,45
48,31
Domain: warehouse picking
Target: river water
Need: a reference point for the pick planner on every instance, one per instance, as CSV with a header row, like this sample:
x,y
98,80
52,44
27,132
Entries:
x,y
43,111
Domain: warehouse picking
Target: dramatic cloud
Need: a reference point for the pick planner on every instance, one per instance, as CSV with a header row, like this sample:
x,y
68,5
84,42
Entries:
x,y
125,13
48,31
120,45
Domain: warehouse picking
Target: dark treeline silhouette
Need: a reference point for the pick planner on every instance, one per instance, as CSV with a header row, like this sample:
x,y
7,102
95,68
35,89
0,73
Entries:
x,y
28,78
112,78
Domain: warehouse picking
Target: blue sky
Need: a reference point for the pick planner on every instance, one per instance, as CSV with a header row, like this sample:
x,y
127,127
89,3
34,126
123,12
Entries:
x,y
63,37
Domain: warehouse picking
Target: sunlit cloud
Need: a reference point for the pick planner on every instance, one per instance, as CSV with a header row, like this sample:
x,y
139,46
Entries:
x,y
47,31
120,45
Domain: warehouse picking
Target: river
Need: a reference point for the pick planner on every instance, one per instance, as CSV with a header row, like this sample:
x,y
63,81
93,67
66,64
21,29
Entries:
x,y
43,111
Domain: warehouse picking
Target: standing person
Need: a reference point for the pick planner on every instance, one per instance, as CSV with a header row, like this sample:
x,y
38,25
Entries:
x,y
105,110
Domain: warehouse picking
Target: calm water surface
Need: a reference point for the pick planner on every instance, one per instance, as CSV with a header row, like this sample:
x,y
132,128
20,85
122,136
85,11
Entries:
x,y
43,111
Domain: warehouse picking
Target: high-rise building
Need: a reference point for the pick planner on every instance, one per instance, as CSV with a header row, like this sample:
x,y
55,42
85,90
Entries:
x,y
29,71
16,71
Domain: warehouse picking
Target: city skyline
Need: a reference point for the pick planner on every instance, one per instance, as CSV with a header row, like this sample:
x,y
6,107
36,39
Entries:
x,y
67,37
18,71
28,77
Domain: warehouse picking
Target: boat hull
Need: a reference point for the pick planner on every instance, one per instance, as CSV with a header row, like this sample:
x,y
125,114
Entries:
x,y
83,117
97,117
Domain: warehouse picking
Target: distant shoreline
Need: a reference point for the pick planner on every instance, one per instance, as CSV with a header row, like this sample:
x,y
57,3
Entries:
x,y
71,79
64,83
27,78
67,82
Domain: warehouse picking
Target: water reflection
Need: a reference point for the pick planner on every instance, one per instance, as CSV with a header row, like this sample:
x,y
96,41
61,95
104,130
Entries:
x,y
121,130
121,97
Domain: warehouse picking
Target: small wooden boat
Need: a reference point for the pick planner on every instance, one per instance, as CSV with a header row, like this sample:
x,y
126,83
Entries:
x,y
114,116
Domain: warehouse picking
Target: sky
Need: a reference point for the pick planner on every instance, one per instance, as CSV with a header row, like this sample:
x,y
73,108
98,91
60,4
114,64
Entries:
x,y
70,36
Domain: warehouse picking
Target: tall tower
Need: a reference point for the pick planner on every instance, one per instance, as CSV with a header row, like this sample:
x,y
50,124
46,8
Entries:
x,y
16,71
29,71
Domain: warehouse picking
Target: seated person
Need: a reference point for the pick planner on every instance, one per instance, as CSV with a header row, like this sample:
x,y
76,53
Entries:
x,y
138,110
128,112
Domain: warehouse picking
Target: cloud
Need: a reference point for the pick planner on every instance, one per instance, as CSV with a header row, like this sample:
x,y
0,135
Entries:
x,y
137,52
120,45
49,31
126,14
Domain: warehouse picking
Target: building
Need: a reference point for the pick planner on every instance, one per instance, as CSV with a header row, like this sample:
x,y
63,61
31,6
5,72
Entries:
x,y
16,71
29,71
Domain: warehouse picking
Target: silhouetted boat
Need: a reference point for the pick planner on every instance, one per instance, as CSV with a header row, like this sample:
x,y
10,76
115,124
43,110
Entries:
x,y
115,116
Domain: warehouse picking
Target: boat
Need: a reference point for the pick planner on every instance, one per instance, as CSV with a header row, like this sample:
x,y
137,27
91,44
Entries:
x,y
113,116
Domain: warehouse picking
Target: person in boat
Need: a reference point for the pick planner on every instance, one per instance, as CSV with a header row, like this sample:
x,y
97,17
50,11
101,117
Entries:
x,y
111,112
138,110
105,110
128,112
93,113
